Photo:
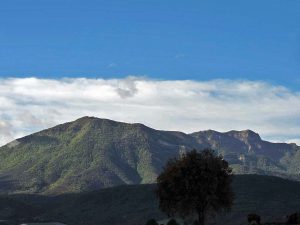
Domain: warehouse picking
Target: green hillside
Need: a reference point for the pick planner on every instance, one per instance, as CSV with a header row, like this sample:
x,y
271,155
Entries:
x,y
92,153
271,197
87,154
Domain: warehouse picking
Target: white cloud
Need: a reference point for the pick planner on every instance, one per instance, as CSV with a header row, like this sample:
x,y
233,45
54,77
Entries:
x,y
6,133
30,104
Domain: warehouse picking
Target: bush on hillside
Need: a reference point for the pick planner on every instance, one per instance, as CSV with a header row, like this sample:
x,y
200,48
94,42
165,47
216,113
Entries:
x,y
172,222
151,222
253,217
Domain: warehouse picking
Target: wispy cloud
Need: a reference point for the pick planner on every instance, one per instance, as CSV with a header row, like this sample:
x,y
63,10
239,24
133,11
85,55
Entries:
x,y
30,104
179,56
112,65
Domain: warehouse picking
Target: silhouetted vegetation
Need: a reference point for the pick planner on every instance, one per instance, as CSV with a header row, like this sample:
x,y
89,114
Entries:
x,y
198,182
253,218
172,222
151,222
294,218
271,197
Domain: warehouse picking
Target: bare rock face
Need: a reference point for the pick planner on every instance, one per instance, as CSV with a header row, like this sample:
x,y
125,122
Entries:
x,y
245,135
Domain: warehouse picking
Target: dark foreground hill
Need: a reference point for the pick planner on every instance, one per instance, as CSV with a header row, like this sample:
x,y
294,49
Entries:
x,y
271,197
92,153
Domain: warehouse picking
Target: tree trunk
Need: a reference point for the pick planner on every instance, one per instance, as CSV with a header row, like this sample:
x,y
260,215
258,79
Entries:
x,y
201,218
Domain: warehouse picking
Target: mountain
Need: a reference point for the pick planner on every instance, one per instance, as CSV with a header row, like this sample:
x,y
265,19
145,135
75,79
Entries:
x,y
92,153
248,153
271,197
87,154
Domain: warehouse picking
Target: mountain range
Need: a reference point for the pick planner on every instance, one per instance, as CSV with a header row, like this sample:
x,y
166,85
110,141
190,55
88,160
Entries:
x,y
92,153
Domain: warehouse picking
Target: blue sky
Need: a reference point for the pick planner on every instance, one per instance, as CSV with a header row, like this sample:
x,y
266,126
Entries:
x,y
242,56
199,40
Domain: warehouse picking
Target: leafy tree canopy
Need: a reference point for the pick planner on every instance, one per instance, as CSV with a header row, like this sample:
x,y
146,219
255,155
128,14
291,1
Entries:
x,y
196,183
151,222
172,222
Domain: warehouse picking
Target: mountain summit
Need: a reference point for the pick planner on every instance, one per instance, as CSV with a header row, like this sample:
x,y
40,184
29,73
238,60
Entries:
x,y
92,153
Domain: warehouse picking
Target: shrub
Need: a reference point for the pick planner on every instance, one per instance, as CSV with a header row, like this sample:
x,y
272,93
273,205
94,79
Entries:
x,y
254,217
172,222
151,222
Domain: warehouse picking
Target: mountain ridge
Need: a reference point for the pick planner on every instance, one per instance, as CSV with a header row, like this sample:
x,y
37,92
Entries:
x,y
87,118
91,153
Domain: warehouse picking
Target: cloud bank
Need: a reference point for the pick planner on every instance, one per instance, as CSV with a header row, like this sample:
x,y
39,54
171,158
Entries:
x,y
28,105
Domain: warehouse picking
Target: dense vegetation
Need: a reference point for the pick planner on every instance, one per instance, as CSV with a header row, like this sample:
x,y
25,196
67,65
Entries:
x,y
271,197
196,183
87,154
92,153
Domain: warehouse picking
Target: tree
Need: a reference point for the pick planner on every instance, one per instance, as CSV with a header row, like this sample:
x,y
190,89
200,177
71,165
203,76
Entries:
x,y
172,222
253,218
151,222
197,183
294,218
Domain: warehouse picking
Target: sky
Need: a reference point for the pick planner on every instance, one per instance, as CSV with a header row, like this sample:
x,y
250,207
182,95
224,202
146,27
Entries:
x,y
182,65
